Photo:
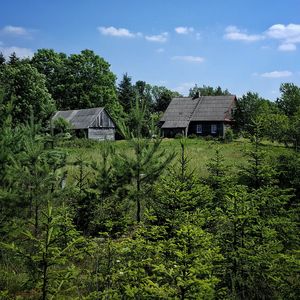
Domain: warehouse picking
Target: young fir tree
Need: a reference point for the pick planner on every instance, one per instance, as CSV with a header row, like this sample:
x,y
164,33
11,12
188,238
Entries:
x,y
35,173
50,256
148,160
150,264
253,232
178,192
257,172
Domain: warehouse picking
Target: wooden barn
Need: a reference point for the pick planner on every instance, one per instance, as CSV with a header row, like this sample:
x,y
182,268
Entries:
x,y
205,115
94,123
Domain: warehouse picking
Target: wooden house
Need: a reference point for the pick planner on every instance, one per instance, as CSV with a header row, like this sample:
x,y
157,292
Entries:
x,y
94,123
205,115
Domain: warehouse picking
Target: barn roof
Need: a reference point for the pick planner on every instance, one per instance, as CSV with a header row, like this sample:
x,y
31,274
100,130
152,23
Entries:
x,y
81,118
205,108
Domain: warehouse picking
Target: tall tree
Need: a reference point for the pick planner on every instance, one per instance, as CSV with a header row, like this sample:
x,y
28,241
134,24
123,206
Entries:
x,y
13,59
162,97
89,82
126,93
79,81
289,101
25,88
143,92
2,59
249,107
53,66
147,162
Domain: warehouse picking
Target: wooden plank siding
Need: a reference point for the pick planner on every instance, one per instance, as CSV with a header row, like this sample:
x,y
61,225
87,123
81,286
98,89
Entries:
x,y
101,134
206,128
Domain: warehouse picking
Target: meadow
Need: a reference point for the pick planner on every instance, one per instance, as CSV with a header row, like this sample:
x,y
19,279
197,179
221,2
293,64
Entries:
x,y
199,151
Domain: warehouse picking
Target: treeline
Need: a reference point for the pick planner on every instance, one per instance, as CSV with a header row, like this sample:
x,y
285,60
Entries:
x,y
51,81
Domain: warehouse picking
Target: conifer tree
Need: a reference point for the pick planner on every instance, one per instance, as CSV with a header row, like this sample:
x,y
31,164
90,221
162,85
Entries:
x,y
126,93
148,161
51,255
178,192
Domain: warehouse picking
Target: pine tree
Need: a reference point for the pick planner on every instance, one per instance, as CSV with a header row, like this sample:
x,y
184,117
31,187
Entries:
x,y
148,160
2,59
179,192
51,255
126,93
13,59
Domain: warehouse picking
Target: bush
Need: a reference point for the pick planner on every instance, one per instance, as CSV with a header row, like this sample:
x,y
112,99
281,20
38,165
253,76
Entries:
x,y
179,136
208,138
193,136
228,135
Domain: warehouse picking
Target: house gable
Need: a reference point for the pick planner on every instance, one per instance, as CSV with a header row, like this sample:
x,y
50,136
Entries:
x,y
213,113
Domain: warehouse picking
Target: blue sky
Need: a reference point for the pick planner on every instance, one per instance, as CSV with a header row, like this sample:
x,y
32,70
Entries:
x,y
239,45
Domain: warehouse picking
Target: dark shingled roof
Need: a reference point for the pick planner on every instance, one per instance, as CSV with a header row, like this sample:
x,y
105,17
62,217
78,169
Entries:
x,y
80,119
179,113
205,108
213,108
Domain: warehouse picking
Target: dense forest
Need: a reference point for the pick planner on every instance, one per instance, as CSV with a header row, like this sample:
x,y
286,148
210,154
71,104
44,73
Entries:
x,y
141,223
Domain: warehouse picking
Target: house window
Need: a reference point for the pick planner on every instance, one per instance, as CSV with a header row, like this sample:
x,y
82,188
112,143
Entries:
x,y
199,128
213,128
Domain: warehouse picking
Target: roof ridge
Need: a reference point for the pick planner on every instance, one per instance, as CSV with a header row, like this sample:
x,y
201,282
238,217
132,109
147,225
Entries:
x,y
199,101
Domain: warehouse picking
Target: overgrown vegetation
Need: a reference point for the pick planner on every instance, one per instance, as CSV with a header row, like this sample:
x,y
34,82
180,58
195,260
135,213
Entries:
x,y
143,218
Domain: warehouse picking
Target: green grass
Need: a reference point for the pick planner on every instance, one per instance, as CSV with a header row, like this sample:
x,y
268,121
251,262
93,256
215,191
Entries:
x,y
199,151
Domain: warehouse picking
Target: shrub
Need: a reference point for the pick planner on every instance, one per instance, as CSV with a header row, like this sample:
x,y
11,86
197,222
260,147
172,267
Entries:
x,y
228,135
193,136
208,138
179,136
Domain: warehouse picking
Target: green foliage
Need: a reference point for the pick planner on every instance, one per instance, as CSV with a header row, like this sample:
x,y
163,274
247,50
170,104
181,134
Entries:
x,y
200,232
276,127
249,107
79,81
179,192
228,135
289,102
162,97
50,256
151,265
61,125
126,93
207,91
25,89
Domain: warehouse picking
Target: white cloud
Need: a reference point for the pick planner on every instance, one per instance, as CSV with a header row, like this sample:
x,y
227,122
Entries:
x,y
189,58
235,34
290,32
277,74
15,30
20,52
160,50
198,36
117,32
287,47
184,30
289,35
160,38
184,87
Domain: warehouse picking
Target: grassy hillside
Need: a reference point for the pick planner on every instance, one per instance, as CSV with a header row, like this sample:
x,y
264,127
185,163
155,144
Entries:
x,y
200,151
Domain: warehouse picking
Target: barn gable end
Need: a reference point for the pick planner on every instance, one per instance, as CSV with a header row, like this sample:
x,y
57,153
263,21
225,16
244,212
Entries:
x,y
96,122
